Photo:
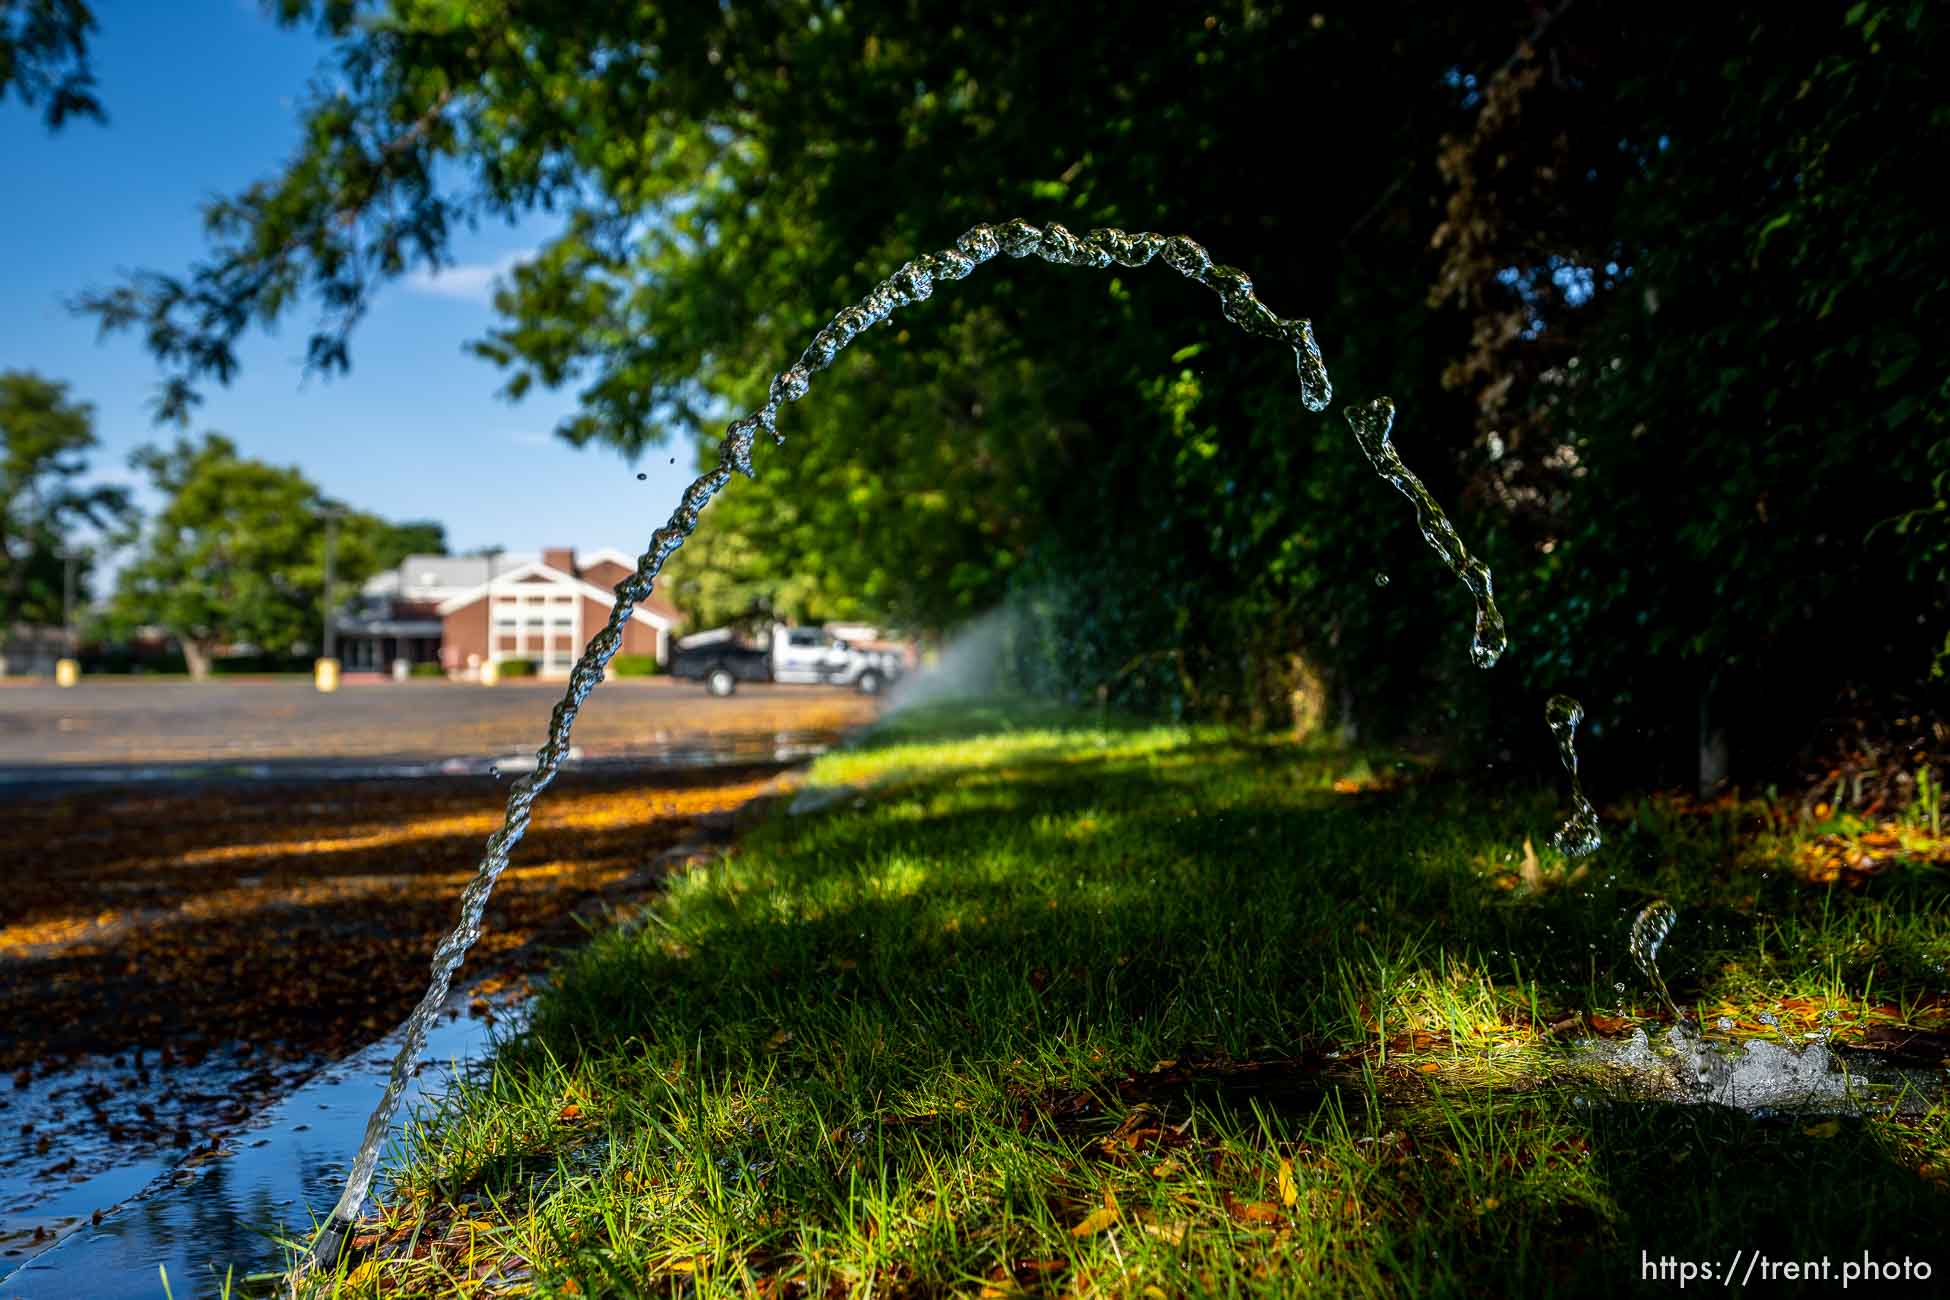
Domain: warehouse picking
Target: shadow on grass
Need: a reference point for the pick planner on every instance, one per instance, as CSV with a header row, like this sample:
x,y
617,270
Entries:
x,y
1076,930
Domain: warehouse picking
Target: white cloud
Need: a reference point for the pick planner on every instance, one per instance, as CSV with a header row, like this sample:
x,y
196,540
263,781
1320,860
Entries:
x,y
466,281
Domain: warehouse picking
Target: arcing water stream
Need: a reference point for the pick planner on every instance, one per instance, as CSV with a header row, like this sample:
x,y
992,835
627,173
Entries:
x,y
912,283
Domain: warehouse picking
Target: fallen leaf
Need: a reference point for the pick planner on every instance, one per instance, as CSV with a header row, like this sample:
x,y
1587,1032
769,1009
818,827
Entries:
x,y
1828,1128
1529,868
1289,1190
1251,1211
570,1111
1094,1222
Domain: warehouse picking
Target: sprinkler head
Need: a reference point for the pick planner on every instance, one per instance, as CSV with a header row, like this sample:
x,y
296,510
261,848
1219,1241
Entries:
x,y
331,1244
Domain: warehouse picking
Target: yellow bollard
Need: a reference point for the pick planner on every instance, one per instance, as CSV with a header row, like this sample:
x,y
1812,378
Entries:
x,y
66,672
490,673
325,675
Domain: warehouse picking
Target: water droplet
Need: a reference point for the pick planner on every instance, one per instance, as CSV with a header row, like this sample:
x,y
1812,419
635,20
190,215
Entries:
x,y
641,477
1019,238
790,384
1579,835
1186,256
1380,579
1649,930
1373,427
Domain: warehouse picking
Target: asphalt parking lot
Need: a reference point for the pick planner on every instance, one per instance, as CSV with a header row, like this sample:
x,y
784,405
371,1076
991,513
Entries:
x,y
132,720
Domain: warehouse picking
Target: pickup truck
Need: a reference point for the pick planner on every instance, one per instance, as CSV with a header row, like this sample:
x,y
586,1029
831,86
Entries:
x,y
801,655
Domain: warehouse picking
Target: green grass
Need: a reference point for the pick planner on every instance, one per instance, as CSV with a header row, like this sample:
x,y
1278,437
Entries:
x,y
1067,1007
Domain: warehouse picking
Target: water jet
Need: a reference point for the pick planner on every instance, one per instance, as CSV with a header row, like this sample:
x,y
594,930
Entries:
x,y
913,282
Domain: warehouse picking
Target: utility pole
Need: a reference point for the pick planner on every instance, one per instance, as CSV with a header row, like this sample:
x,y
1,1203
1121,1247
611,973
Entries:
x,y
330,639
68,558
67,671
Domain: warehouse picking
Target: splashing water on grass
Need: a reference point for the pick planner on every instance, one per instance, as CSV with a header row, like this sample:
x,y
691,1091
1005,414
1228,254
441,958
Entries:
x,y
1758,1076
913,282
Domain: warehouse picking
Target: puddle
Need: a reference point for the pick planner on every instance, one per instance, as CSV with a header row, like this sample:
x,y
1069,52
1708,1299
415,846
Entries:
x,y
86,1136
1759,1076
219,1207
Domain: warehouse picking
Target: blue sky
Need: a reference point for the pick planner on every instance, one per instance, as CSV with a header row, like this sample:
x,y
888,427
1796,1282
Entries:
x,y
201,98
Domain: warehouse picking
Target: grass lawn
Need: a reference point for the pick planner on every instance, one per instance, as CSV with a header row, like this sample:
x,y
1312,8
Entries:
x,y
1063,1007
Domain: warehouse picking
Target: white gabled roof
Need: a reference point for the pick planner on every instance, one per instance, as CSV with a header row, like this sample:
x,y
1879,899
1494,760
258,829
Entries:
x,y
553,577
609,554
436,577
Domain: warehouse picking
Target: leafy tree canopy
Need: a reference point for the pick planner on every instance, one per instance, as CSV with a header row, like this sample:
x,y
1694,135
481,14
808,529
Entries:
x,y
1624,276
44,58
44,440
236,556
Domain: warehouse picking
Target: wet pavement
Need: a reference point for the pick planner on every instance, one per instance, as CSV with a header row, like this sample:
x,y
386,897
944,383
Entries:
x,y
677,753
109,722
186,941
231,1208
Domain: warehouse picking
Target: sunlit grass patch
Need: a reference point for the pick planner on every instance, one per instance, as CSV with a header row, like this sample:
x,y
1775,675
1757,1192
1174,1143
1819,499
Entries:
x,y
1094,1008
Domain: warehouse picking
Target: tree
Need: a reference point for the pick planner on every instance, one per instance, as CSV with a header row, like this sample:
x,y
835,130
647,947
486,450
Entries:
x,y
1471,206
730,176
44,438
1705,300
237,553
392,543
44,56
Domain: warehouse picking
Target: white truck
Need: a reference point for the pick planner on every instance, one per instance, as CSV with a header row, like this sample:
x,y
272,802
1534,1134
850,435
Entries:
x,y
789,655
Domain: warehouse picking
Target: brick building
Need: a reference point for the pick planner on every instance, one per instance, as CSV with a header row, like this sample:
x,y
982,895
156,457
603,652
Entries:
x,y
463,611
